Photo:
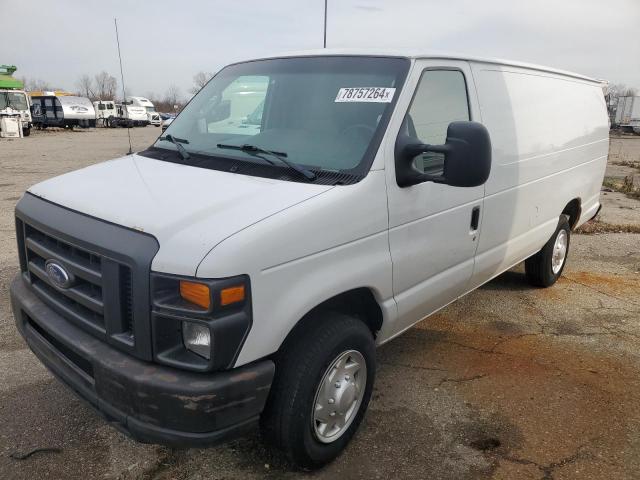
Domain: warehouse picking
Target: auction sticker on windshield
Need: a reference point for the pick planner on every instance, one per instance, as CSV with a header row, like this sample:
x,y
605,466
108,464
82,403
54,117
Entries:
x,y
366,94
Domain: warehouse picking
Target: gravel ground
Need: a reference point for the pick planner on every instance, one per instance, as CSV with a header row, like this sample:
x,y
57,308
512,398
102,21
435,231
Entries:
x,y
511,382
624,160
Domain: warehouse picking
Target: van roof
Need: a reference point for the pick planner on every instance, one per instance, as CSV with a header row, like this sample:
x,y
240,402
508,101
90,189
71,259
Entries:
x,y
412,54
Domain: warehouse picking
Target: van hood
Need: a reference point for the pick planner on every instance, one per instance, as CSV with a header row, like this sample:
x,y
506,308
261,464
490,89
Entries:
x,y
188,209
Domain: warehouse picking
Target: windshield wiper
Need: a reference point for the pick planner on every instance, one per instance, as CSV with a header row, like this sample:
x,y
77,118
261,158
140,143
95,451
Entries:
x,y
253,150
178,143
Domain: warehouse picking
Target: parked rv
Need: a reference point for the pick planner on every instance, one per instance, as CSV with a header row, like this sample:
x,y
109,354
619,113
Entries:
x,y
14,102
223,278
628,113
57,109
152,115
124,115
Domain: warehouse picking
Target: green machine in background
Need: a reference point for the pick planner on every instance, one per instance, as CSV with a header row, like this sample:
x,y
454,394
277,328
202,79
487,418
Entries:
x,y
6,79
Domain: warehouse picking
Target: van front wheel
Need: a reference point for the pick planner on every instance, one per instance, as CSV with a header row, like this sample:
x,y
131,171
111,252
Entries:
x,y
545,267
322,386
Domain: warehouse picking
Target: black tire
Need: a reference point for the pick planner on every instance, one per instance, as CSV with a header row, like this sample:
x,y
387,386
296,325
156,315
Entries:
x,y
287,420
26,132
539,268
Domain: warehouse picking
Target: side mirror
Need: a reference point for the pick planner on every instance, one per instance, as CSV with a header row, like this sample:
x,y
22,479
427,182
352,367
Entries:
x,y
467,157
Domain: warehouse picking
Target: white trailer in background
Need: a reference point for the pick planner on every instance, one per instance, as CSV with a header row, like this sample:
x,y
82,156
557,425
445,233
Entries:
x,y
131,116
152,115
112,114
628,113
60,109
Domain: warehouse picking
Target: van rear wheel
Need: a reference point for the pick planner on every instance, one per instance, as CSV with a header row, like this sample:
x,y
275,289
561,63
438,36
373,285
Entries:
x,y
545,267
322,386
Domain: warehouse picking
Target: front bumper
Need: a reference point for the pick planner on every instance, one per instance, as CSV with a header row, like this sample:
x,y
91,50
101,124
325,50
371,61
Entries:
x,y
152,403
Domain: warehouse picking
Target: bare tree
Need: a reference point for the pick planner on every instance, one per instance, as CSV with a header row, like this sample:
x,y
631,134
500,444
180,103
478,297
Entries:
x,y
152,97
615,90
172,97
200,79
85,87
35,84
105,86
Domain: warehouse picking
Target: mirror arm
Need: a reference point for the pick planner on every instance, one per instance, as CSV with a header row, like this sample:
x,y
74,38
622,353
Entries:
x,y
438,148
415,149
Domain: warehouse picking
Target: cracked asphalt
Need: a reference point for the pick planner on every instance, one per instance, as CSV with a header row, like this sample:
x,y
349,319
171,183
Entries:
x,y
510,382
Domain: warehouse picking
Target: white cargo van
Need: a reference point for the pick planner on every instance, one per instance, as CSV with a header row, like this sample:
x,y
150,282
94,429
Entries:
x,y
224,276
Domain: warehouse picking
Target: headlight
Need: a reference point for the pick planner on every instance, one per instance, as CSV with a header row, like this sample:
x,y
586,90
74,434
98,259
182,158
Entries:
x,y
198,323
197,338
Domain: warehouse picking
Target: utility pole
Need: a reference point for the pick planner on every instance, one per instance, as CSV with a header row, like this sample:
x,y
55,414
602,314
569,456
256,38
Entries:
x,y
324,45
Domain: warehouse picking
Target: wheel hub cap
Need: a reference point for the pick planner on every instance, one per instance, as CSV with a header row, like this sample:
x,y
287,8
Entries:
x,y
339,395
559,251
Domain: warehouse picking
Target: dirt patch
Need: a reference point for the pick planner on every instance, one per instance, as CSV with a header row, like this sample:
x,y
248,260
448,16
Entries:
x,y
547,388
596,226
608,284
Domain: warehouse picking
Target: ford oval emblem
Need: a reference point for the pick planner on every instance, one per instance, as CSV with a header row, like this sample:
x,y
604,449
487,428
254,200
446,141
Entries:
x,y
58,274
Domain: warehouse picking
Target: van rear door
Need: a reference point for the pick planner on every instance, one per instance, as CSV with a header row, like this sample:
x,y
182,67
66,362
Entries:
x,y
433,228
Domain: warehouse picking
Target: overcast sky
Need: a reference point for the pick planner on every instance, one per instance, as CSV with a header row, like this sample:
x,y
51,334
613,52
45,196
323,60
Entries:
x,y
166,42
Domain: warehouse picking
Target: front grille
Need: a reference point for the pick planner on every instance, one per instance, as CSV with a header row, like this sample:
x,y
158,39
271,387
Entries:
x,y
109,266
126,298
95,278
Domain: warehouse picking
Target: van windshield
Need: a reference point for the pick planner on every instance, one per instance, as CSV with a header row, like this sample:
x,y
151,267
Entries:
x,y
327,114
15,100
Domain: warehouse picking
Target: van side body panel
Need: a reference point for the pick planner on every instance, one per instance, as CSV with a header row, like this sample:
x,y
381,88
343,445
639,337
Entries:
x,y
309,253
550,140
542,159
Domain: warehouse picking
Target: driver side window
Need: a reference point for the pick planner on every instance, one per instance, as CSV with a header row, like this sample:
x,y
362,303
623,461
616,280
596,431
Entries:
x,y
441,98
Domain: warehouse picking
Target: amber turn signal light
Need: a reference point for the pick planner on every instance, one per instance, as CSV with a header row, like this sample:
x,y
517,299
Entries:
x,y
231,295
197,293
